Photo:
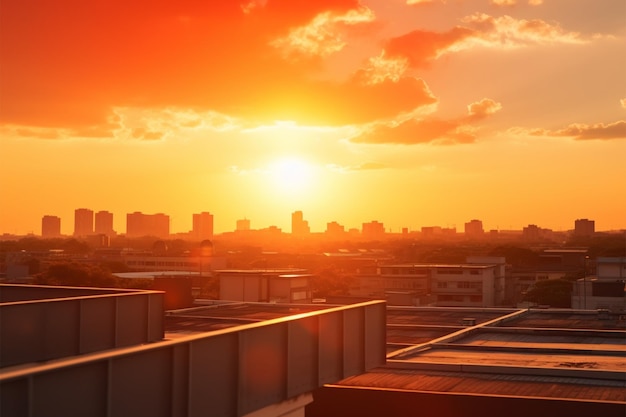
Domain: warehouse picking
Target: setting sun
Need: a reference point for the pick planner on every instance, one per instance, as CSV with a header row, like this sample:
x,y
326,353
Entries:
x,y
291,175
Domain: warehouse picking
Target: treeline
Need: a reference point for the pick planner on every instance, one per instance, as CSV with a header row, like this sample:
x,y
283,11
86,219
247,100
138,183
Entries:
x,y
85,275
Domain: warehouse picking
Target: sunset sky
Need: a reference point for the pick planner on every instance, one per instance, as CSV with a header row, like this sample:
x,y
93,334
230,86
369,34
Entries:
x,y
410,112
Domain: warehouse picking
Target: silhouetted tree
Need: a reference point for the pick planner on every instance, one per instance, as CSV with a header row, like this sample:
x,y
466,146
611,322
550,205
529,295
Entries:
x,y
516,255
552,292
327,282
74,274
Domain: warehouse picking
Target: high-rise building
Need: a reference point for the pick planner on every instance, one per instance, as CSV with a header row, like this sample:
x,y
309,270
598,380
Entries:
x,y
335,229
299,226
83,222
139,224
104,223
373,230
474,228
202,226
243,225
50,226
584,227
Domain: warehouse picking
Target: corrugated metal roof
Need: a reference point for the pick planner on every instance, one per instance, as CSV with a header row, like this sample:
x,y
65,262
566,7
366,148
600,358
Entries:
x,y
491,384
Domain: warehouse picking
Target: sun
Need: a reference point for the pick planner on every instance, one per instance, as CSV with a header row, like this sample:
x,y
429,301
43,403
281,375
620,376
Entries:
x,y
291,174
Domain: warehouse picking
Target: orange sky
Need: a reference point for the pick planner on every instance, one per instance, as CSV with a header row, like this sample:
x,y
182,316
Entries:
x,y
411,112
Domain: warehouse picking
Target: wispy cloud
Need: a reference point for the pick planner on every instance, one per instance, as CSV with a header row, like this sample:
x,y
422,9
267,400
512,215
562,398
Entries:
x,y
419,48
430,129
365,166
581,131
323,35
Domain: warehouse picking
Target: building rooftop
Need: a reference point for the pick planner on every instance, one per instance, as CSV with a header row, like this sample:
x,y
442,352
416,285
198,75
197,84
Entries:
x,y
482,265
480,383
564,355
229,314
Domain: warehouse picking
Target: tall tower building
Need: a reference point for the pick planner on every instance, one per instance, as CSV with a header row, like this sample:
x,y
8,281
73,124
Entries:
x,y
474,228
104,223
160,225
50,226
584,227
83,222
299,226
203,226
243,225
373,230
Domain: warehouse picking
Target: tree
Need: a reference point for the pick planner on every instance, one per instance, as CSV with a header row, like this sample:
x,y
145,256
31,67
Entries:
x,y
74,274
327,282
552,292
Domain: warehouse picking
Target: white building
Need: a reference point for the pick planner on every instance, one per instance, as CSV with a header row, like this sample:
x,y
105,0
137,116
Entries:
x,y
606,290
477,283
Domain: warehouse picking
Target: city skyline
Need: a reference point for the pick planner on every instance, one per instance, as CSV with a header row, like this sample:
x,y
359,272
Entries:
x,y
298,224
414,113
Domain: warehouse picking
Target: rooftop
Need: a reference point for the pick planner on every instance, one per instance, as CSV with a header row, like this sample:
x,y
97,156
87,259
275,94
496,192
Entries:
x,y
561,354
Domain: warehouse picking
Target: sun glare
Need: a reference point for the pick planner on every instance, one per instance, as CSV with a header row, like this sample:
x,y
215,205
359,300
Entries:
x,y
291,174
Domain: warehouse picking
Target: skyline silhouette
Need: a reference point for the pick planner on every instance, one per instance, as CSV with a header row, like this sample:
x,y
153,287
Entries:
x,y
89,222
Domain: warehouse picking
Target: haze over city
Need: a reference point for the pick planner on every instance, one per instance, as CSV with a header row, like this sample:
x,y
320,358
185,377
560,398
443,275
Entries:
x,y
413,113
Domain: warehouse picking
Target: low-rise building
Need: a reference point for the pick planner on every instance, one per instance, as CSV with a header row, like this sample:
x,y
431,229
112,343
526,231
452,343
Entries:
x,y
604,291
265,285
477,283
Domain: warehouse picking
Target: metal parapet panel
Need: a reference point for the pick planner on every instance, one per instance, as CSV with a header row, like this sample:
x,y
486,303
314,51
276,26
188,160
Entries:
x,y
229,372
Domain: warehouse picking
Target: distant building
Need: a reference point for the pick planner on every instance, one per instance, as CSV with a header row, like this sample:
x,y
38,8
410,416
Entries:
x,y
202,226
243,225
474,228
606,290
437,231
334,229
532,232
50,226
584,227
477,283
265,285
139,225
299,226
104,223
373,230
83,222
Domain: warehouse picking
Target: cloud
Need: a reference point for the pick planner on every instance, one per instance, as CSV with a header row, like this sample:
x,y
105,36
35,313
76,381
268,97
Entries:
x,y
508,32
429,129
75,63
581,131
623,103
159,124
366,166
39,133
419,2
419,48
508,3
483,108
322,36
503,2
